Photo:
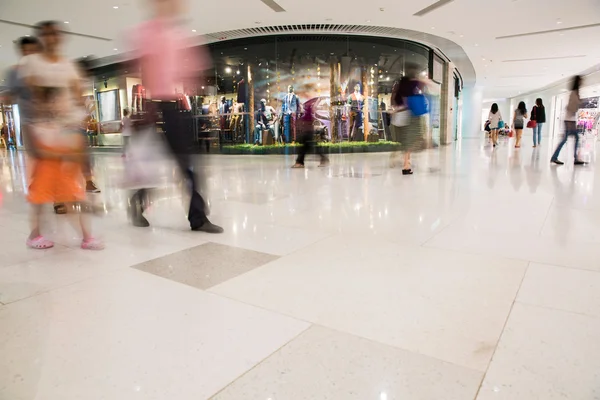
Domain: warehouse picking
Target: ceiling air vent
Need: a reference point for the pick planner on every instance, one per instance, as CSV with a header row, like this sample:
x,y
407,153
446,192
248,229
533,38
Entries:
x,y
571,28
433,7
273,5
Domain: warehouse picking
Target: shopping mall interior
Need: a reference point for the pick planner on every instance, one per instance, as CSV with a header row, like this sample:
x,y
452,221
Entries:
x,y
467,271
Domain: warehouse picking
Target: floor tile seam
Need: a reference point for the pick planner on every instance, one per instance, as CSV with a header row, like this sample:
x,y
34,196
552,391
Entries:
x,y
475,253
263,360
312,323
548,211
502,331
112,270
546,264
563,310
393,346
44,257
435,234
329,235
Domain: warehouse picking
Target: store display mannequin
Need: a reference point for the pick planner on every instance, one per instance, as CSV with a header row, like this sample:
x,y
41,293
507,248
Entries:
x,y
290,109
265,121
237,120
223,111
355,100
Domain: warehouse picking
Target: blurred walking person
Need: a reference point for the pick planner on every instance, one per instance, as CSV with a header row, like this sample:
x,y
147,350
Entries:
x,y
165,59
538,115
519,117
495,118
58,149
409,117
307,140
571,122
19,91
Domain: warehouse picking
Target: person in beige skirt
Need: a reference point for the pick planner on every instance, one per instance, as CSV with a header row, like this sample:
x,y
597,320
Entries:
x,y
407,129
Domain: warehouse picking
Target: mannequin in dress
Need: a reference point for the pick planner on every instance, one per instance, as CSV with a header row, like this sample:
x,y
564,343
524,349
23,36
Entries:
x,y
290,109
356,101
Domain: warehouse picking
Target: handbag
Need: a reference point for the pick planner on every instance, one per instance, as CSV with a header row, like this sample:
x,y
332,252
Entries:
x,y
511,133
418,104
401,118
531,124
500,124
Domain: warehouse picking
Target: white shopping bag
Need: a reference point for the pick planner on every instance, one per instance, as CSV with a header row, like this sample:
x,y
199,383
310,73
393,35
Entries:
x,y
147,162
401,118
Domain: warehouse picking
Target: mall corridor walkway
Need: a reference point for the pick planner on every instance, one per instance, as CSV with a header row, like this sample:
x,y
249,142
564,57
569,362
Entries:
x,y
476,278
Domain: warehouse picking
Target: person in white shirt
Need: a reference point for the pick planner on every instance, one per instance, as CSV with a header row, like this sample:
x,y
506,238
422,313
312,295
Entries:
x,y
57,114
495,117
570,123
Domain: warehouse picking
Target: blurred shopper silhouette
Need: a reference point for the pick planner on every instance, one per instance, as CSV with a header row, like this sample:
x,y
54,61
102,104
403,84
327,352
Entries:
x,y
86,166
19,92
519,117
538,119
571,122
306,139
57,116
495,118
166,60
409,116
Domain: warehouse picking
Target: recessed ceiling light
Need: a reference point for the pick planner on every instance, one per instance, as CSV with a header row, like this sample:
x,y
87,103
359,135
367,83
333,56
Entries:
x,y
486,65
202,87
558,21
483,59
115,49
476,45
368,20
193,30
228,70
433,27
115,7
66,22
462,35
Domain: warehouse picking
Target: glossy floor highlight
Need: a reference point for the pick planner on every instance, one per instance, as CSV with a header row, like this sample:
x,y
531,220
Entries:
x,y
475,278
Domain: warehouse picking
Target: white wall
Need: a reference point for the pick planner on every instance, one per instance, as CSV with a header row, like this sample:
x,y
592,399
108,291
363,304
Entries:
x,y
471,112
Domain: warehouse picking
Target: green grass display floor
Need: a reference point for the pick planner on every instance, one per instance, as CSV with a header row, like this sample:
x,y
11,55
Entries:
x,y
342,147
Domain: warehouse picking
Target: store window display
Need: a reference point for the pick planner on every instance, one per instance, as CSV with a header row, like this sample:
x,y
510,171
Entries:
x,y
356,103
266,117
290,109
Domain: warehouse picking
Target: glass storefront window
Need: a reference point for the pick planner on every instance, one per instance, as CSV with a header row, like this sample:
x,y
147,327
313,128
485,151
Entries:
x,y
342,82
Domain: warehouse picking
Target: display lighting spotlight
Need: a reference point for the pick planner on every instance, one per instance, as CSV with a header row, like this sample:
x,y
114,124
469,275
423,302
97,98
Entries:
x,y
228,70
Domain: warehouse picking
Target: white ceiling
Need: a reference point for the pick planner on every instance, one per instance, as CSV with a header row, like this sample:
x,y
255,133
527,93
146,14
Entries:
x,y
472,24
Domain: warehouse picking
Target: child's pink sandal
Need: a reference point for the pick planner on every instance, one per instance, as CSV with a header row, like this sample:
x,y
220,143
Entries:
x,y
92,244
39,243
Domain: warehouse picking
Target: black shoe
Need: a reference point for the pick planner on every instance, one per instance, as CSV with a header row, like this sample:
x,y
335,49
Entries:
x,y
140,221
579,162
209,227
557,162
407,171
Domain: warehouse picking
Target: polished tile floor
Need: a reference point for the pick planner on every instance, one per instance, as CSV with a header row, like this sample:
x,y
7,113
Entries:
x,y
476,278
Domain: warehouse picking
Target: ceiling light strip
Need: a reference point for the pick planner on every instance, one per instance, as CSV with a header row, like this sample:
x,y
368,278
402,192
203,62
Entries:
x,y
433,7
543,59
273,5
572,28
3,21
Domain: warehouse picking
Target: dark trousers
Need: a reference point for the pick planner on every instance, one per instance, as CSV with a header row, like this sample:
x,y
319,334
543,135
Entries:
x,y
308,144
180,142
